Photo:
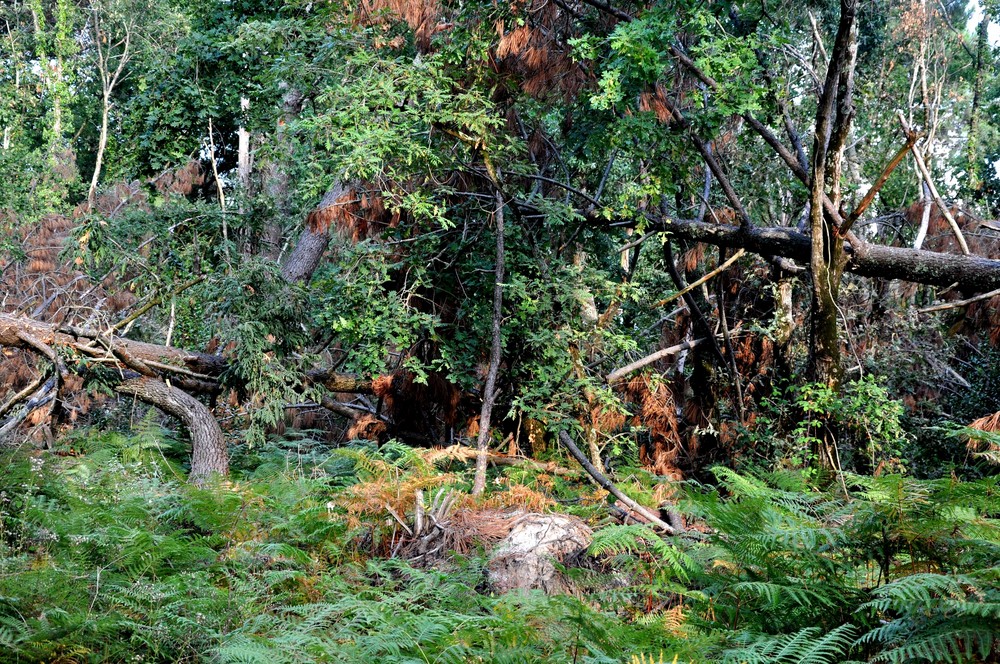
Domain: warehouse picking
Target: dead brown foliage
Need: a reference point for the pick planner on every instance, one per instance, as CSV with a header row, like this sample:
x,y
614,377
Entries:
x,y
520,496
657,102
183,180
423,17
989,423
356,215
367,427
654,408
535,50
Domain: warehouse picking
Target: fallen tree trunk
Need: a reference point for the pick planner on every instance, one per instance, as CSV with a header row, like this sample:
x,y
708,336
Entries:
x,y
200,371
94,344
196,372
208,445
970,273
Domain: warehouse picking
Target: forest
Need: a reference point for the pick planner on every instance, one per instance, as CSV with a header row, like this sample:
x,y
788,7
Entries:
x,y
528,331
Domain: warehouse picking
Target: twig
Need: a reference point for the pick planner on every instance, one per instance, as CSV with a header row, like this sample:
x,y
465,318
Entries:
x,y
818,38
955,305
607,8
43,348
700,321
45,395
607,172
727,187
155,301
635,243
573,190
727,342
958,33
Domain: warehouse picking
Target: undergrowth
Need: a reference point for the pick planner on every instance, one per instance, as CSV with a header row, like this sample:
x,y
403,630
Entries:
x,y
108,555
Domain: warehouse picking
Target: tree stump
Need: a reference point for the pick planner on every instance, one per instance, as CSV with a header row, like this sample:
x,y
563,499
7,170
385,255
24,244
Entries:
x,y
526,559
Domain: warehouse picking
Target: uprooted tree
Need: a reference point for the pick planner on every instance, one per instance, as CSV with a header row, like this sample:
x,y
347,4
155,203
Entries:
x,y
434,205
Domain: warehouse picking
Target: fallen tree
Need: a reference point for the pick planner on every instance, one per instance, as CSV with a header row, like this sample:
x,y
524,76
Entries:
x,y
162,376
167,376
969,273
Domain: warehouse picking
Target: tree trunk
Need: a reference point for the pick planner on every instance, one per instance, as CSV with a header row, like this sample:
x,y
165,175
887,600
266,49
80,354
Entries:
x,y
306,256
971,273
278,180
314,239
827,256
102,145
490,388
983,53
208,445
243,162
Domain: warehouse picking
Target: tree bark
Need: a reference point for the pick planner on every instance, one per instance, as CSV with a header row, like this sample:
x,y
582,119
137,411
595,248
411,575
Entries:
x,y
208,445
827,255
975,184
971,273
298,268
313,241
243,159
278,180
496,347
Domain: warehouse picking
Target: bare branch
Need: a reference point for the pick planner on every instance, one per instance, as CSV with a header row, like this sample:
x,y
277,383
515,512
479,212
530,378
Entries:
x,y
620,373
606,484
934,192
875,188
690,287
959,303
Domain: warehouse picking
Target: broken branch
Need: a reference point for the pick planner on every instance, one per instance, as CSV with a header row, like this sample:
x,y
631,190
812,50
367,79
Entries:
x,y
934,192
959,303
690,287
649,359
607,485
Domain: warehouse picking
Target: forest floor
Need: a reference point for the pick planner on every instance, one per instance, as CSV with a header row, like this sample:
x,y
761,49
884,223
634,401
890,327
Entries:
x,y
313,554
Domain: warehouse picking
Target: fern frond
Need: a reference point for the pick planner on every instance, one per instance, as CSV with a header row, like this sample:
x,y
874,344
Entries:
x,y
806,646
635,539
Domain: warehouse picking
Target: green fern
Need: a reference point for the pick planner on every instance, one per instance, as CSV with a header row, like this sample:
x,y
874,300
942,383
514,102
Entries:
x,y
806,646
639,539
936,618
